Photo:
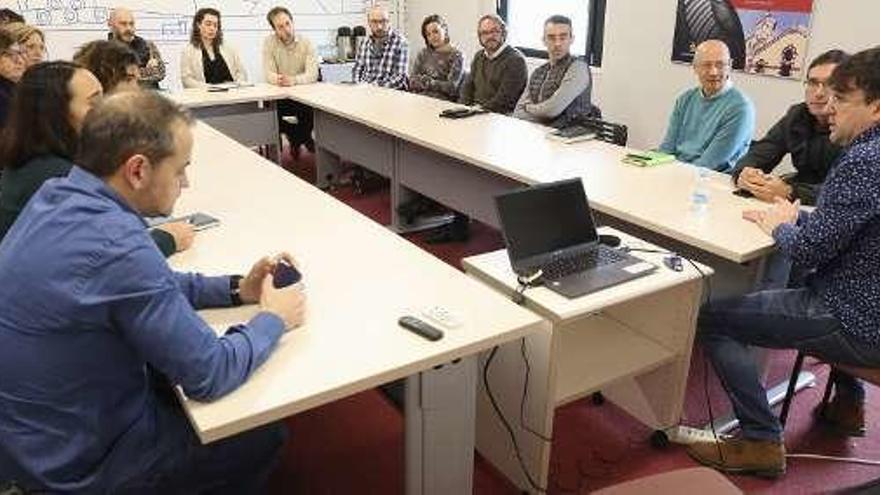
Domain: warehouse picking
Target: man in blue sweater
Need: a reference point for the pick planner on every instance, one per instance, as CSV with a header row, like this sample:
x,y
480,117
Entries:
x,y
836,314
711,125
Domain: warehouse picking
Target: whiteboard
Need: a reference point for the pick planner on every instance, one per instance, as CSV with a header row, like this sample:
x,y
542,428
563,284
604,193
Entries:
x,y
69,24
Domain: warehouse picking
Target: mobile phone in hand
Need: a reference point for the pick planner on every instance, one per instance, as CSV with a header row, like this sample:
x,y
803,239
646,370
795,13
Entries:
x,y
284,275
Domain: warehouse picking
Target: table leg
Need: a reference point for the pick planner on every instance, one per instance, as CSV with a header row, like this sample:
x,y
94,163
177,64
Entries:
x,y
440,412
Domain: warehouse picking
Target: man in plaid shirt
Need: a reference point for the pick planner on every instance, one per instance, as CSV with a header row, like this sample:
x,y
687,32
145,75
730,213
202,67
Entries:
x,y
382,58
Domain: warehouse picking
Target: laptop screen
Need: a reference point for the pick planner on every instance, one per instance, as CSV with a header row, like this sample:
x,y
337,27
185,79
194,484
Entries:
x,y
545,218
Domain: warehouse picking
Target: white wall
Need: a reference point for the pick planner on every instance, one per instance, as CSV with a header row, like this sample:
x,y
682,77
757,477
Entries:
x,y
637,83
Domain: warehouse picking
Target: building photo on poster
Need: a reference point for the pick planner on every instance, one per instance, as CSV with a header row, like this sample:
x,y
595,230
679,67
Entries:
x,y
767,37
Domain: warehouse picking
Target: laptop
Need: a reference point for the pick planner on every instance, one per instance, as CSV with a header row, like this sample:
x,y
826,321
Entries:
x,y
550,227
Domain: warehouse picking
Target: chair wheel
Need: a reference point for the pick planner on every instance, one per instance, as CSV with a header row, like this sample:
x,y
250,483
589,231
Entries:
x,y
659,440
597,398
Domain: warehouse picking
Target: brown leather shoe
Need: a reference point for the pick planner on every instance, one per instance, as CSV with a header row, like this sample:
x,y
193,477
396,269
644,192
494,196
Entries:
x,y
844,415
741,455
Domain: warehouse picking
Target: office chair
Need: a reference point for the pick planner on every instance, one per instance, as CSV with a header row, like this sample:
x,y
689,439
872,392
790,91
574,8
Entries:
x,y
870,375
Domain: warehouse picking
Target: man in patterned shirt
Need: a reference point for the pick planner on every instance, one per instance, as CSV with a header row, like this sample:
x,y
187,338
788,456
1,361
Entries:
x,y
836,315
151,68
381,58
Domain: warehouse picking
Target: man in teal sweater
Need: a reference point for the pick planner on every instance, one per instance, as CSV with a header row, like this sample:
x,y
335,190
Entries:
x,y
711,125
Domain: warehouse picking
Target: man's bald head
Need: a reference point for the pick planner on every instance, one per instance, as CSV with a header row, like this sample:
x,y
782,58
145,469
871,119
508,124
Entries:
x,y
121,24
379,21
712,49
712,66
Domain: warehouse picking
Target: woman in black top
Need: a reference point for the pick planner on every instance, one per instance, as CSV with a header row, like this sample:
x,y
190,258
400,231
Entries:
x,y
206,60
11,68
42,139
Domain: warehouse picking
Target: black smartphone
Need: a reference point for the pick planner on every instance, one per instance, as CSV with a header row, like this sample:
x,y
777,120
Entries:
x,y
285,275
743,193
202,221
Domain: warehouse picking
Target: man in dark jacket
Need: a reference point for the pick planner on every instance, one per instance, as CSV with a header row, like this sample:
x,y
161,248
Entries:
x,y
150,64
498,73
802,132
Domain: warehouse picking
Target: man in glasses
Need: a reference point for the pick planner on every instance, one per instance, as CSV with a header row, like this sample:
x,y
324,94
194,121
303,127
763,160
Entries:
x,y
381,58
498,72
12,66
803,133
835,316
711,125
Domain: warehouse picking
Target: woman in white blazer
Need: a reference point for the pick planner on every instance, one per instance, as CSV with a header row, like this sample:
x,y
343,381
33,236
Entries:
x,y
205,59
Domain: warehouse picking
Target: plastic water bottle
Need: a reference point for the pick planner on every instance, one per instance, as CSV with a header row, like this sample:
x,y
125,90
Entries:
x,y
700,191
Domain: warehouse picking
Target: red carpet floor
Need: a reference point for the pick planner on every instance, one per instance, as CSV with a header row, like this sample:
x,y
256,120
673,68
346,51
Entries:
x,y
355,446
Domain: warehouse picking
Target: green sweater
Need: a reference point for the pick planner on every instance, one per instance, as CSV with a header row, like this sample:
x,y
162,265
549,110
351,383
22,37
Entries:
x,y
711,132
496,84
17,185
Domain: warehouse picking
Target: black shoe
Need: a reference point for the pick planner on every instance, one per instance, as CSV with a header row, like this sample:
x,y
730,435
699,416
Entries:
x,y
449,233
413,209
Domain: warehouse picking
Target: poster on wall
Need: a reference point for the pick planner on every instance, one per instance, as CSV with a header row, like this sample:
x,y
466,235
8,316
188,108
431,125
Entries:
x,y
768,37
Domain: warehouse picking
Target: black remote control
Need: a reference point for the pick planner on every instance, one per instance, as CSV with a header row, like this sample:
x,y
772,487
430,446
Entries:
x,y
419,327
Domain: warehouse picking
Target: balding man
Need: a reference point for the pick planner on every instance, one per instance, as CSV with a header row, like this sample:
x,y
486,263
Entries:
x,y
151,68
381,59
711,125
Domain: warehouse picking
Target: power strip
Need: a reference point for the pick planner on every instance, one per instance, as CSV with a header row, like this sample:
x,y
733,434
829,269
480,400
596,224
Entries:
x,y
685,435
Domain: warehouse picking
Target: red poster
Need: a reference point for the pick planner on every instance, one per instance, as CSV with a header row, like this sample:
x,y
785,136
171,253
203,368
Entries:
x,y
764,36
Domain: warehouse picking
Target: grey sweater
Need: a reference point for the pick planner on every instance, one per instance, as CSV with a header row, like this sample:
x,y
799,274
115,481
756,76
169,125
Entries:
x,y
496,84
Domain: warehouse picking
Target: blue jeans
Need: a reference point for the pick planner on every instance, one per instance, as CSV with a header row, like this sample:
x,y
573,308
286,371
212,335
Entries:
x,y
239,464
775,319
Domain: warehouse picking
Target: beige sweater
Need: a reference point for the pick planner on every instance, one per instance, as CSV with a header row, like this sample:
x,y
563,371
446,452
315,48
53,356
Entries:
x,y
297,60
192,72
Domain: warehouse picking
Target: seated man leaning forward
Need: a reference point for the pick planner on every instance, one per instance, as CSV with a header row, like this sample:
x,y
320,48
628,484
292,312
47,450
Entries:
x,y
97,325
836,314
803,132
558,92
711,125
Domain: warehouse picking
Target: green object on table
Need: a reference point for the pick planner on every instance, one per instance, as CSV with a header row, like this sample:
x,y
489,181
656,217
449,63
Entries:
x,y
647,158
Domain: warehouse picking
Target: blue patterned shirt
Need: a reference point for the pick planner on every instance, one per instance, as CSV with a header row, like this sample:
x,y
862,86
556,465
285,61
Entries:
x,y
840,239
87,304
382,64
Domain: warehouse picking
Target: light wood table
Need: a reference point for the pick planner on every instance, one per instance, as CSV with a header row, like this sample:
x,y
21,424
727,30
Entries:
x,y
465,163
631,341
359,279
247,114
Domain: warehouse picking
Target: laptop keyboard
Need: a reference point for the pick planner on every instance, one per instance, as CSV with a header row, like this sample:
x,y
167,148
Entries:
x,y
563,267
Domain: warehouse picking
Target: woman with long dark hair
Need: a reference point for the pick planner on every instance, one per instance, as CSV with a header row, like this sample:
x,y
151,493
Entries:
x,y
41,141
206,59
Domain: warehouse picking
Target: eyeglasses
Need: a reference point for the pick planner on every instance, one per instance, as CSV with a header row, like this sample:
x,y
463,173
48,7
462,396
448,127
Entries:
x,y
12,53
720,65
487,32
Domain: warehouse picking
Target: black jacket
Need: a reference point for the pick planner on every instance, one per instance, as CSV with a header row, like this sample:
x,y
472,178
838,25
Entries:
x,y
19,184
7,89
812,154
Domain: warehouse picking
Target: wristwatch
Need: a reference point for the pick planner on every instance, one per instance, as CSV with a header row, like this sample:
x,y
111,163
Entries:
x,y
235,290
